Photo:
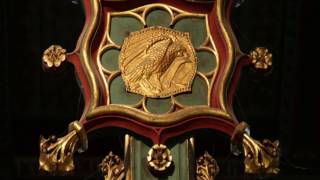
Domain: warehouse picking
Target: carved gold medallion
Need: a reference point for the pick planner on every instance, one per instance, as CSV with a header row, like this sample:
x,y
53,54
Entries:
x,y
158,62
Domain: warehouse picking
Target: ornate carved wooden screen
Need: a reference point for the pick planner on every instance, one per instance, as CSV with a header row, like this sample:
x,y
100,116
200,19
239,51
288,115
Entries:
x,y
159,69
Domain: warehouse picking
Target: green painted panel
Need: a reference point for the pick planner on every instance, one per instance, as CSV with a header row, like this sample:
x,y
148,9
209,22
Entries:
x,y
181,159
158,18
196,27
122,26
198,96
110,59
206,61
119,95
158,106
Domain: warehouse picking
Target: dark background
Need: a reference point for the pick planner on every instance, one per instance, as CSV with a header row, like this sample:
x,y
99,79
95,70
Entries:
x,y
280,105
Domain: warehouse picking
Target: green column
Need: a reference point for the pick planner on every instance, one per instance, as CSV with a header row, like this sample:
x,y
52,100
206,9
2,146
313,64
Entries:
x,y
182,151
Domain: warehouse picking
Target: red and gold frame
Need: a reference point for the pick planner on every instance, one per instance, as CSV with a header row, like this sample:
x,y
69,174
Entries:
x,y
99,112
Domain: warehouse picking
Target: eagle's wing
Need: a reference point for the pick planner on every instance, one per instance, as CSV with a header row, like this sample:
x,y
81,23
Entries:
x,y
139,48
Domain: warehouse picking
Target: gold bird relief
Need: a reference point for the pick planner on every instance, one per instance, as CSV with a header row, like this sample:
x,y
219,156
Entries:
x,y
150,69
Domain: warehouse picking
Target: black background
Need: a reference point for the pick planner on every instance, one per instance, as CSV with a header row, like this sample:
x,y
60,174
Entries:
x,y
280,105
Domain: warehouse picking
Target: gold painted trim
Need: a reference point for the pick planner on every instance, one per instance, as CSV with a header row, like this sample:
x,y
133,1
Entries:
x,y
155,119
127,158
230,52
85,52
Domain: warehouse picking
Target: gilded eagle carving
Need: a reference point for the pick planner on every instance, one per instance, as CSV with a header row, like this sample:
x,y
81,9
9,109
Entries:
x,y
157,62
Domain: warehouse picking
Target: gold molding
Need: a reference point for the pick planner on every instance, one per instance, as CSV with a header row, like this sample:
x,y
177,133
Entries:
x,y
127,151
54,56
259,157
85,51
112,167
56,154
207,167
155,119
230,52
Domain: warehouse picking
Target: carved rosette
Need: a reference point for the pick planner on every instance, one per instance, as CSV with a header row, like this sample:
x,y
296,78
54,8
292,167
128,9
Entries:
x,y
259,157
112,167
261,58
159,158
56,154
54,56
207,167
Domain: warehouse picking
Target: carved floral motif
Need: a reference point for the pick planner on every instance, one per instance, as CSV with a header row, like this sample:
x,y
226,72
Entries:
x,y
261,58
54,56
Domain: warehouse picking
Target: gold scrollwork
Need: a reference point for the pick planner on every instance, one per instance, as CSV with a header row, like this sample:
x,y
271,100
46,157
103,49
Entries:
x,y
112,167
261,58
56,154
207,167
54,56
259,157
159,158
158,62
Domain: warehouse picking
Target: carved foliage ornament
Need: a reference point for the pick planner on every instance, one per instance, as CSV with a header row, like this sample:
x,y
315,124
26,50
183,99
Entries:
x,y
56,154
259,157
207,167
158,62
112,167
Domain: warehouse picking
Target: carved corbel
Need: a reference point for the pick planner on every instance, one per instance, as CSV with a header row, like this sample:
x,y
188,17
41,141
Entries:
x,y
56,154
259,157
